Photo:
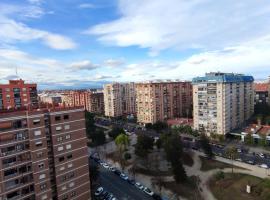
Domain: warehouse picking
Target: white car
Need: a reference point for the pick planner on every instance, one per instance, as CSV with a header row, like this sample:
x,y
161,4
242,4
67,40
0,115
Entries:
x,y
264,166
261,155
99,191
148,191
138,185
239,150
238,159
123,176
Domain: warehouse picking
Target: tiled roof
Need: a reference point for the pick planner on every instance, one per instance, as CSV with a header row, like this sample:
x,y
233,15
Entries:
x,y
261,87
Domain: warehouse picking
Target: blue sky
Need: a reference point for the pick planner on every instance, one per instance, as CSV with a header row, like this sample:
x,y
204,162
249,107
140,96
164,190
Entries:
x,y
85,43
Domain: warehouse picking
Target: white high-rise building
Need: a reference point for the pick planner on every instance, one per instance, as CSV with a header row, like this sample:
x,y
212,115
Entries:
x,y
222,102
119,99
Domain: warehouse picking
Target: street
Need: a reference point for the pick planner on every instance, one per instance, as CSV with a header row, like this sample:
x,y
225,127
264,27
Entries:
x,y
120,188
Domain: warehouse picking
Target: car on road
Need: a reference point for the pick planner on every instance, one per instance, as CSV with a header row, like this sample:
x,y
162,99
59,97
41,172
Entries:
x,y
239,159
263,166
117,172
251,162
99,191
112,169
148,191
104,195
131,181
105,165
156,197
123,176
261,155
138,185
239,150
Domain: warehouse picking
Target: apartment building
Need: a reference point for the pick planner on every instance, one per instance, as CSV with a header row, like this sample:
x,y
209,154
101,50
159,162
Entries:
x,y
261,93
119,99
17,94
159,101
43,155
222,102
50,98
92,101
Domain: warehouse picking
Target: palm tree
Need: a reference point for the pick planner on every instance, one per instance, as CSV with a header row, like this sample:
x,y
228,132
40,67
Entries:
x,y
122,142
231,152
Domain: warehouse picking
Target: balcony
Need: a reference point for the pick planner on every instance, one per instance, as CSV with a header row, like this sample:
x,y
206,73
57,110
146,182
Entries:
x,y
14,149
17,171
23,193
12,184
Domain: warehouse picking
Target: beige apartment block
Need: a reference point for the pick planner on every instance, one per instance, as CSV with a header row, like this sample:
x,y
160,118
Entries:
x,y
119,99
222,102
159,101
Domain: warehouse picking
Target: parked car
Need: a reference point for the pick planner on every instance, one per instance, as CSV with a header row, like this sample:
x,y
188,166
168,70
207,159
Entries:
x,y
117,172
123,176
156,197
263,166
239,151
148,191
131,181
105,165
252,162
104,194
261,155
99,191
112,169
138,185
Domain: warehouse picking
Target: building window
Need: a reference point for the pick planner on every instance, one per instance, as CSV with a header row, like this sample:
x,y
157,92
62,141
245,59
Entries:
x,y
67,127
68,137
62,168
40,154
66,116
58,128
69,156
63,188
42,176
36,121
43,186
37,133
71,184
73,194
61,148
57,118
41,165
38,143
62,158
60,139
70,165
68,146
43,197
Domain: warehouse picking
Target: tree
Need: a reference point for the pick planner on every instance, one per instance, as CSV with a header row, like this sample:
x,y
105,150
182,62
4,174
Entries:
x,y
232,154
179,172
205,145
143,146
159,126
98,138
122,142
263,140
249,139
89,123
116,131
158,144
94,173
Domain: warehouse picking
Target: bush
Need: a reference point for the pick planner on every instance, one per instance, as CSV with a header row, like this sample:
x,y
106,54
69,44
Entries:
x,y
220,175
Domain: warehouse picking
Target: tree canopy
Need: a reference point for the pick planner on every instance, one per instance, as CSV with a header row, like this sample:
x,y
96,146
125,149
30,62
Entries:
x,y
144,145
116,131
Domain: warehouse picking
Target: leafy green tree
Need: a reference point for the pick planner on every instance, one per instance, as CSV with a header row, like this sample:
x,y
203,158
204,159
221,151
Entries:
x,y
205,145
116,131
122,142
263,140
173,147
179,172
249,139
159,126
89,123
144,145
158,143
232,154
94,172
98,138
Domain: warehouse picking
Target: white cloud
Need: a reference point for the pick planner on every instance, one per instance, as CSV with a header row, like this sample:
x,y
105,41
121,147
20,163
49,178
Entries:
x,y
185,24
113,63
83,65
86,5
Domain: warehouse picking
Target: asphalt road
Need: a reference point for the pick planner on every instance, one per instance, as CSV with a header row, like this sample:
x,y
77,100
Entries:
x,y
120,188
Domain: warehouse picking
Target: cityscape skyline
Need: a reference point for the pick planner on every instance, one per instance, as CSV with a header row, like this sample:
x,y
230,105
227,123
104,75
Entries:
x,y
104,41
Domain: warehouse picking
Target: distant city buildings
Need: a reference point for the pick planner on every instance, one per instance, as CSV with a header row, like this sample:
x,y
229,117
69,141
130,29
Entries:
x,y
50,98
261,93
18,94
222,102
119,99
43,155
159,101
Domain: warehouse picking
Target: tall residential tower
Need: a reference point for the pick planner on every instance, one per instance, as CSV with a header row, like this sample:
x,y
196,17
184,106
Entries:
x,y
222,101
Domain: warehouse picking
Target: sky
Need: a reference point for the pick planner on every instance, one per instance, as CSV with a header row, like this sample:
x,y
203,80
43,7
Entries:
x,y
87,43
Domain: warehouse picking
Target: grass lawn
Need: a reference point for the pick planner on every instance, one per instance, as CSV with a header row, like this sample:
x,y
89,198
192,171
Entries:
x,y
213,164
233,187
188,190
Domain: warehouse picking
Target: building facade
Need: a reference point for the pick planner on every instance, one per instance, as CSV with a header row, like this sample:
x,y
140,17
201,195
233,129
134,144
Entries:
x,y
50,98
43,155
18,94
92,101
261,93
159,101
222,102
119,99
